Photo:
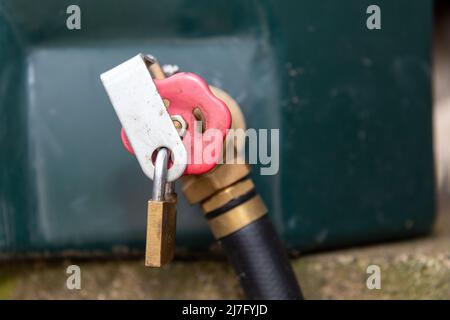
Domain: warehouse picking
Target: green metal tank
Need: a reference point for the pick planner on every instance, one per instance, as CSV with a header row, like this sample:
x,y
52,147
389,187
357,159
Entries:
x,y
353,107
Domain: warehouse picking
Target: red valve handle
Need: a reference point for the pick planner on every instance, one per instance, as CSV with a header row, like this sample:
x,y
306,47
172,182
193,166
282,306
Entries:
x,y
187,92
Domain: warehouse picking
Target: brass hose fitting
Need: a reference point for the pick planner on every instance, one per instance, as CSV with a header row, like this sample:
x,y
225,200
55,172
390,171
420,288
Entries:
x,y
226,193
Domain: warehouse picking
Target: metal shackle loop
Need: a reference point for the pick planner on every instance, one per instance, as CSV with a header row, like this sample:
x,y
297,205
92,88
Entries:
x,y
160,175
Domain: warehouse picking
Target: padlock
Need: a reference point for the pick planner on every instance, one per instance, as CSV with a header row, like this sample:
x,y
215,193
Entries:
x,y
156,113
161,216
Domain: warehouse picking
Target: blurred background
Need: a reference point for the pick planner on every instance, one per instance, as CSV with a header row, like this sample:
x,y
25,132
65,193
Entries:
x,y
364,118
442,96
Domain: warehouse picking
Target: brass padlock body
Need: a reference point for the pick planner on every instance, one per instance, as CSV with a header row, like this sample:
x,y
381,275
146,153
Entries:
x,y
161,227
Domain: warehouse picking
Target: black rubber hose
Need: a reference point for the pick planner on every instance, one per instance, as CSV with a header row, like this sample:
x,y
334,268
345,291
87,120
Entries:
x,y
261,263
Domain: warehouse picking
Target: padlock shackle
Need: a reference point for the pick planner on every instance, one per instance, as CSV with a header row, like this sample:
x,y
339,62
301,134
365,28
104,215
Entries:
x,y
160,175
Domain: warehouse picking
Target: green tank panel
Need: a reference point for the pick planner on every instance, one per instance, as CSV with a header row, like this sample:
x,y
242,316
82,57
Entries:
x,y
352,105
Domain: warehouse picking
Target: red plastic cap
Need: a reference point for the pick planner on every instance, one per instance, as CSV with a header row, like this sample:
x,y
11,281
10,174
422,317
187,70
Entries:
x,y
187,92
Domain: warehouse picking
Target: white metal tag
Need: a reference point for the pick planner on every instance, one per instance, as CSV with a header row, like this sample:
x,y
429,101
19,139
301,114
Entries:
x,y
143,115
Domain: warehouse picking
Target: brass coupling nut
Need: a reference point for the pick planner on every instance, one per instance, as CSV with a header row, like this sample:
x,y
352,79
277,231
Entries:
x,y
233,208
